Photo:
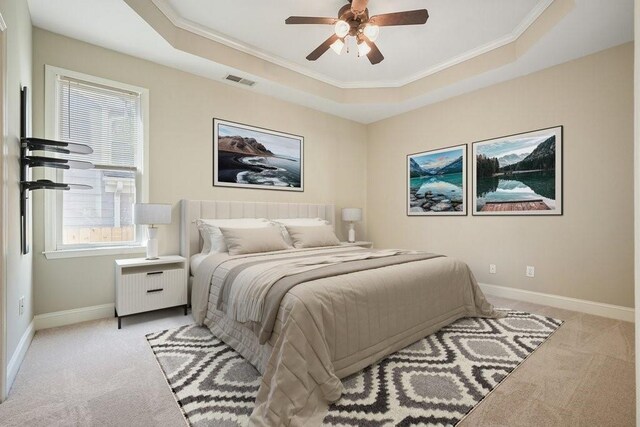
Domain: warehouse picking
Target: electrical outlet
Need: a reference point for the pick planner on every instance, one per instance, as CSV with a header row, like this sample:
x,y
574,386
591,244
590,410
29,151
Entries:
x,y
531,271
492,268
21,306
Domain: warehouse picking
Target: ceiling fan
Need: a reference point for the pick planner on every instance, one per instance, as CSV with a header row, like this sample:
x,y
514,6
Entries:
x,y
353,20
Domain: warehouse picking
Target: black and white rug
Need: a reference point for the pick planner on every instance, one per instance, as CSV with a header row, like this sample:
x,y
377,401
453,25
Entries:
x,y
436,381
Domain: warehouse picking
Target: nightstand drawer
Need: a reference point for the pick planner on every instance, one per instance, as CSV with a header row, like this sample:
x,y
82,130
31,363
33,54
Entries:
x,y
150,290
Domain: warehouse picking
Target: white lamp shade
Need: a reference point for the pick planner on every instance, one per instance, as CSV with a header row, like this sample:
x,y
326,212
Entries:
x,y
363,49
342,28
351,214
150,213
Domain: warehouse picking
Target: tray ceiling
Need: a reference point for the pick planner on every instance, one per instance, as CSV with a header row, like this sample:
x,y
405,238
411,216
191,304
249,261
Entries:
x,y
456,30
466,44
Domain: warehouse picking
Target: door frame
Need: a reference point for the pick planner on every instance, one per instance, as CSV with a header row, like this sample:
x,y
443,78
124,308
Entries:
x,y
3,210
636,210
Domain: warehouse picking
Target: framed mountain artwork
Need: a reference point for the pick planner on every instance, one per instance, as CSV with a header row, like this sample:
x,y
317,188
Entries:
x,y
519,174
437,182
250,157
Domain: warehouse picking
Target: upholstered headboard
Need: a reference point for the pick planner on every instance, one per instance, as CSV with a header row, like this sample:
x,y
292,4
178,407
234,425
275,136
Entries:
x,y
190,242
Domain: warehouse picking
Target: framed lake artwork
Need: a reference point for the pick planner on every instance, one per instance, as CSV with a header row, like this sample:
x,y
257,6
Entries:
x,y
251,157
437,182
519,174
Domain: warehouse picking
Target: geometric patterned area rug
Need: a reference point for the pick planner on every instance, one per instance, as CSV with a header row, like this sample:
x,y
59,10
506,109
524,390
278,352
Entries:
x,y
436,381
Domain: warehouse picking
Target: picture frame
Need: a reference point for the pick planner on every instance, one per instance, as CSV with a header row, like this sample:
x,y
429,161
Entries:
x,y
246,156
519,174
436,182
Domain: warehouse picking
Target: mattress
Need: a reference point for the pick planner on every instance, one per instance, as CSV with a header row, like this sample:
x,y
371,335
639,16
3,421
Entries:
x,y
329,328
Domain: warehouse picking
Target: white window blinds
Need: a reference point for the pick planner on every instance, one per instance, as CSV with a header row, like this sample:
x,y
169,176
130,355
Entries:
x,y
109,120
104,118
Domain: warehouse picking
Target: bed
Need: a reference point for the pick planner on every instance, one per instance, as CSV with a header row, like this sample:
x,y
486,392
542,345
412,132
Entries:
x,y
330,324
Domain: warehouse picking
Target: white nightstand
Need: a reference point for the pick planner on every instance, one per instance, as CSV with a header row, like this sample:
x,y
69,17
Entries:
x,y
362,244
147,285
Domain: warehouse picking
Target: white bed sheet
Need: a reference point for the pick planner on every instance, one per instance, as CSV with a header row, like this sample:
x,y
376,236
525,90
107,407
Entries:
x,y
195,262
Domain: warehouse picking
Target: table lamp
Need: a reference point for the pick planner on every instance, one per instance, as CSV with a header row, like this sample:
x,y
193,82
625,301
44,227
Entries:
x,y
152,215
352,215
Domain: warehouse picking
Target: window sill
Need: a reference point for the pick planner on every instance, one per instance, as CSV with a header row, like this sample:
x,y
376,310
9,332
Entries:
x,y
90,252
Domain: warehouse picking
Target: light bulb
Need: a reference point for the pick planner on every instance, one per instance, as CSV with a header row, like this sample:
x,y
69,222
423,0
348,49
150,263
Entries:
x,y
342,28
371,31
338,46
363,48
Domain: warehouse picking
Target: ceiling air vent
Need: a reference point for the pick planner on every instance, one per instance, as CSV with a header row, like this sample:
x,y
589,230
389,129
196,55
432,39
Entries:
x,y
240,80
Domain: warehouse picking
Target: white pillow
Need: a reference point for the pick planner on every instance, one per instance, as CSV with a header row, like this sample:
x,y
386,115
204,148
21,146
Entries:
x,y
212,236
248,241
297,222
313,237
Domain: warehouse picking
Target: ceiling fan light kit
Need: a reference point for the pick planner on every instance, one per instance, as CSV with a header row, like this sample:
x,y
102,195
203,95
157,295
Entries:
x,y
342,28
338,46
353,20
363,48
371,31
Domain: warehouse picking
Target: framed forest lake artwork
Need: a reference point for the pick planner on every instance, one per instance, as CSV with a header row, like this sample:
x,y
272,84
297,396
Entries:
x,y
519,174
250,157
437,182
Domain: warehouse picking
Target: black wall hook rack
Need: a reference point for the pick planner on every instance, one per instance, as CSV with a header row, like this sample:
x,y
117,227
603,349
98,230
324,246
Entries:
x,y
27,161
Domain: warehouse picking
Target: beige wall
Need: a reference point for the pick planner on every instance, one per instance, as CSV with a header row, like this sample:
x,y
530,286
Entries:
x,y
181,110
19,267
585,254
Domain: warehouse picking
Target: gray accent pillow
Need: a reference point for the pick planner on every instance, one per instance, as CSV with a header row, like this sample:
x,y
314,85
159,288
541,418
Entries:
x,y
212,238
297,222
313,236
241,241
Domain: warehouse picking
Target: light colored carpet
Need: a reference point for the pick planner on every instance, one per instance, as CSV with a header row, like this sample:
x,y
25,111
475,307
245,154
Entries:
x,y
93,374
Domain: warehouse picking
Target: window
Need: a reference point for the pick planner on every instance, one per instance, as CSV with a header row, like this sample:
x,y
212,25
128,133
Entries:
x,y
109,117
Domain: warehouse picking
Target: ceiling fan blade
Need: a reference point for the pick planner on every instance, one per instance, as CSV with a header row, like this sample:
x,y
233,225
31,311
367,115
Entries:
x,y
320,50
410,17
375,56
359,6
310,20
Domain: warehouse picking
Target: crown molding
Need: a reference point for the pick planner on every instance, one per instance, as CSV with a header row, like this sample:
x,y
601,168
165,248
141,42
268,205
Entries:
x,y
481,50
176,19
201,30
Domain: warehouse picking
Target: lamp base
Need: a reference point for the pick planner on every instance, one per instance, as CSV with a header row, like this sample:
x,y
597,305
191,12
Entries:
x,y
152,243
352,233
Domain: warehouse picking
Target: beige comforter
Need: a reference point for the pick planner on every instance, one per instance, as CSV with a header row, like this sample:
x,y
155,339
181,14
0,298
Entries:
x,y
333,327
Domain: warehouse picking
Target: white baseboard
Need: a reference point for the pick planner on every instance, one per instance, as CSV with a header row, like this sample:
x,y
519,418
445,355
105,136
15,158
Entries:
x,y
18,356
77,315
590,307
